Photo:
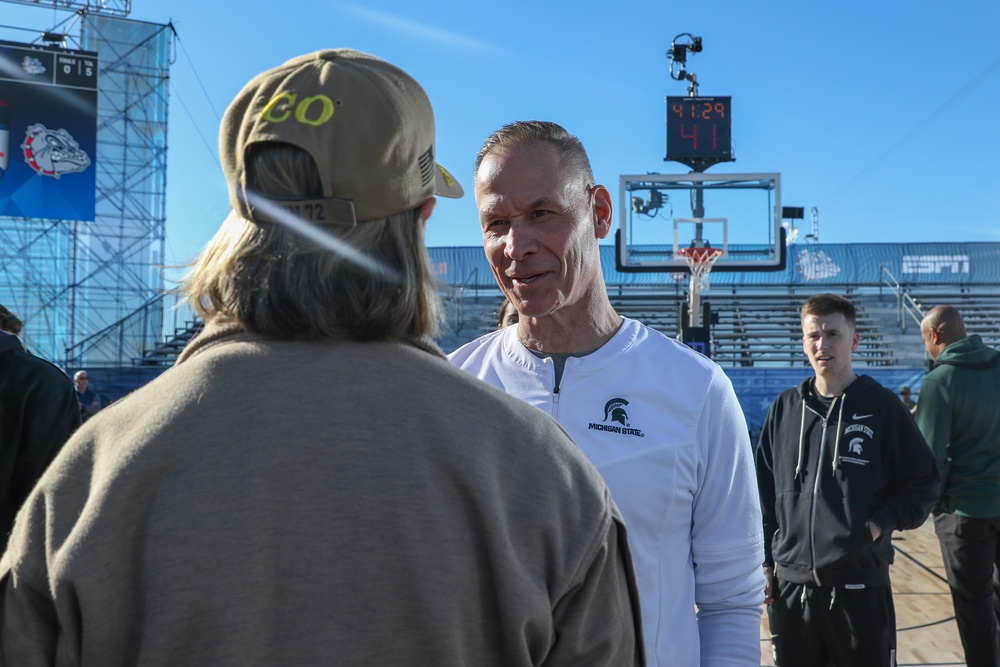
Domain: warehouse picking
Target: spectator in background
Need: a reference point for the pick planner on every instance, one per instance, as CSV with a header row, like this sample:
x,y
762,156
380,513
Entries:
x,y
840,466
38,413
90,400
506,315
312,482
959,417
9,321
660,422
904,395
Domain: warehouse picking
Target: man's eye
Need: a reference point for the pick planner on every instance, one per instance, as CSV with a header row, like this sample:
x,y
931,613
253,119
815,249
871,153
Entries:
x,y
540,213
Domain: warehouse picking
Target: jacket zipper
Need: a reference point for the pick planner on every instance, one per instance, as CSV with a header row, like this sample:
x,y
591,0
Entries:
x,y
815,494
556,381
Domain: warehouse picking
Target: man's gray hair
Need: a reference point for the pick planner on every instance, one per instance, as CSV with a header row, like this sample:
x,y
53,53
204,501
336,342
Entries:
x,y
525,132
273,281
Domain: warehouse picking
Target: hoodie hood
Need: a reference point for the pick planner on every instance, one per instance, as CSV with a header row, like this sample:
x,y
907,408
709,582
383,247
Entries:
x,y
861,384
9,341
969,352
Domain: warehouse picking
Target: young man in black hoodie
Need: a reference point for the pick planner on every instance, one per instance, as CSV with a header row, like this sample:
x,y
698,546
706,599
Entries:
x,y
840,466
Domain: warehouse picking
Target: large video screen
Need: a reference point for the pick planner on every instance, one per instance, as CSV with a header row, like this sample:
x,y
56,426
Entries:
x,y
48,132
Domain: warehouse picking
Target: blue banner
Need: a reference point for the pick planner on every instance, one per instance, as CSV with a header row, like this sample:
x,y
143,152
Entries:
x,y
48,132
757,388
808,264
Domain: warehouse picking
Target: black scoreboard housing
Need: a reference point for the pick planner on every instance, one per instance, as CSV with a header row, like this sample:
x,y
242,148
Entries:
x,y
699,129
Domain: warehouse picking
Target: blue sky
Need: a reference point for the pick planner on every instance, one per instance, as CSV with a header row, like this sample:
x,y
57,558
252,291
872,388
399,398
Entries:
x,y
882,115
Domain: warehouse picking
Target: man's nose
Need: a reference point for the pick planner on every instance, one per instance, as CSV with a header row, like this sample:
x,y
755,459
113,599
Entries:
x,y
520,241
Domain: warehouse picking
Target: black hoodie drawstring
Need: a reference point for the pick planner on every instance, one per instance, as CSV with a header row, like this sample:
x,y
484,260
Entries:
x,y
802,439
836,441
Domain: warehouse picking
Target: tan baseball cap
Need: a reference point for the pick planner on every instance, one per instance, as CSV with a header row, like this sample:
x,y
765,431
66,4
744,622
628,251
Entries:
x,y
366,123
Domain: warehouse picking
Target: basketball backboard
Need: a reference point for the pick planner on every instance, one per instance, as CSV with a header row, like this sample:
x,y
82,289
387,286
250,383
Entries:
x,y
659,214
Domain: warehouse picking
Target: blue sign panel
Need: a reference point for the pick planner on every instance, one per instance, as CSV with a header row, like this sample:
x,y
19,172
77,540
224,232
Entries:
x,y
808,265
48,132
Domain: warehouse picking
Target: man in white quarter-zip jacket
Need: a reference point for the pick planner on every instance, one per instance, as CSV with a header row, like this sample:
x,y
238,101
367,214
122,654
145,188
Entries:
x,y
840,465
660,422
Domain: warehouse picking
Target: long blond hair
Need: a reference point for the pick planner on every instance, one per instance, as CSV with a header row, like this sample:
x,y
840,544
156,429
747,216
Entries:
x,y
274,281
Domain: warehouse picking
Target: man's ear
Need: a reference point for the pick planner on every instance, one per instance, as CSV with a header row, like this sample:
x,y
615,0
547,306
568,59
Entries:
x,y
603,211
933,336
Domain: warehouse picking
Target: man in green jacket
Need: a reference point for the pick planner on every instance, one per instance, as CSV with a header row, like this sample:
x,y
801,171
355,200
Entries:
x,y
959,419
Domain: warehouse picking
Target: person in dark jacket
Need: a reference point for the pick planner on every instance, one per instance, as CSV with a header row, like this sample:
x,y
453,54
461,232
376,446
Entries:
x,y
906,396
840,466
958,415
90,400
38,413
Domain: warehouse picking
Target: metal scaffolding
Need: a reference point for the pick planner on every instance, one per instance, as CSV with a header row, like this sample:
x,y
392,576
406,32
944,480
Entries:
x,y
105,7
68,280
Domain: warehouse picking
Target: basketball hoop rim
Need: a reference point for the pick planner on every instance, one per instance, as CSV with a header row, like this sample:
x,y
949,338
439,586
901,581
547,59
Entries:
x,y
697,258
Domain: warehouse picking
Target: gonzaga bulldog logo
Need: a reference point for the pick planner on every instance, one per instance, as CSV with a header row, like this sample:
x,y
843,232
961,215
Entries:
x,y
816,265
53,152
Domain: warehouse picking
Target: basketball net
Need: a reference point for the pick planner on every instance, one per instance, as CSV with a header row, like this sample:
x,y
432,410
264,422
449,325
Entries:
x,y
700,262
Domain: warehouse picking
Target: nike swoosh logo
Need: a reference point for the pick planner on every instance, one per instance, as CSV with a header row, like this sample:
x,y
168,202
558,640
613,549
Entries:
x,y
857,416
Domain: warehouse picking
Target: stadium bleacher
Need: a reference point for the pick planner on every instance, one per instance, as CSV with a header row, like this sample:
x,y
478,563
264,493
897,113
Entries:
x,y
980,309
769,323
755,336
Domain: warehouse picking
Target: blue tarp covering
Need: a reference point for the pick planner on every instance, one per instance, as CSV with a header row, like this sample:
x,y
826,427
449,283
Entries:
x,y
757,388
808,264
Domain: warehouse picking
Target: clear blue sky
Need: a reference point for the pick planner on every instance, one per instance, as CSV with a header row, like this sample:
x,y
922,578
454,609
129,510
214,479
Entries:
x,y
883,115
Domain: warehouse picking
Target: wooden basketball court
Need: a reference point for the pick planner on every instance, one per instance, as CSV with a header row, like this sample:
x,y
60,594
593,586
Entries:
x,y
925,621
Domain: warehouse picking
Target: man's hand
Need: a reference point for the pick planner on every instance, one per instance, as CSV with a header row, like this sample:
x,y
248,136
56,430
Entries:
x,y
768,576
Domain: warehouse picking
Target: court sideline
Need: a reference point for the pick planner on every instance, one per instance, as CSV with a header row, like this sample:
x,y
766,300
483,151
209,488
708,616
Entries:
x,y
926,634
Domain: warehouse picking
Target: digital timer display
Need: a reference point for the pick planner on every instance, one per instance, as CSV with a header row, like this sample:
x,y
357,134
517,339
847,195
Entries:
x,y
698,129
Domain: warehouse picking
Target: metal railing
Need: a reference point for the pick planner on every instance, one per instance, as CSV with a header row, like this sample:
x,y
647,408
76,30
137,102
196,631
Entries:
x,y
118,344
905,304
458,293
123,343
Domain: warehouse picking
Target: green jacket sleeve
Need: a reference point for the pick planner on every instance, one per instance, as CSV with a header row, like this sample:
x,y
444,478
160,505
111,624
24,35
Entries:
x,y
934,420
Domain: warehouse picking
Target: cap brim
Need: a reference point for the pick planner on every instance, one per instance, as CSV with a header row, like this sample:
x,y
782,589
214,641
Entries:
x,y
445,184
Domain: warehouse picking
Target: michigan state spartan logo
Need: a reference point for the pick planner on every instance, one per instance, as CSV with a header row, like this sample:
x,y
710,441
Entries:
x,y
615,411
616,419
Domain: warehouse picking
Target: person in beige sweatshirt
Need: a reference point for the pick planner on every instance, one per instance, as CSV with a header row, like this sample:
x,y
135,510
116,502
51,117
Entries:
x,y
313,483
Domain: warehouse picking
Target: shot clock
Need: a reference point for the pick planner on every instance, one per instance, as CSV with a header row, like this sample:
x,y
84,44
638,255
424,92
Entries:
x,y
698,130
